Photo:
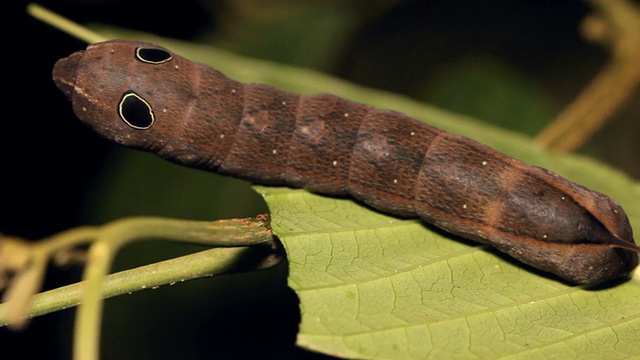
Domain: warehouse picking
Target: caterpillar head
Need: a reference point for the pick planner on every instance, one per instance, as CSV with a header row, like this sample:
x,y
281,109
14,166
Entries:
x,y
143,96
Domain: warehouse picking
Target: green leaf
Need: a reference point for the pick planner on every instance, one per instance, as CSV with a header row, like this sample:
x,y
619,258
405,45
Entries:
x,y
374,286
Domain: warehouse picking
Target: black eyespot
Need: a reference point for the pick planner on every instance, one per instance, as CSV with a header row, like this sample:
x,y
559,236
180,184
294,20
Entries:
x,y
153,55
135,111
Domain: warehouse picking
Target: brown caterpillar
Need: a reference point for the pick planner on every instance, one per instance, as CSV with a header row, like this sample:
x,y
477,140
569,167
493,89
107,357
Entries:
x,y
143,96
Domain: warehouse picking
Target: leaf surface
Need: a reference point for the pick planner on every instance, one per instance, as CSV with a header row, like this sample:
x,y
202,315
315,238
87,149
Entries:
x,y
373,286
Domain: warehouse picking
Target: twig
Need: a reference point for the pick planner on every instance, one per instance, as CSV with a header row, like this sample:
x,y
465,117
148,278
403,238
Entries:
x,y
64,24
27,263
616,24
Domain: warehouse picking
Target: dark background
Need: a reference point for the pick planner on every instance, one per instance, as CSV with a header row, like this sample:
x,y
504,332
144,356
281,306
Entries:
x,y
515,64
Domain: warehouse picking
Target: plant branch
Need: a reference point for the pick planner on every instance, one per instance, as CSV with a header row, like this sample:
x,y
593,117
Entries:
x,y
22,266
616,25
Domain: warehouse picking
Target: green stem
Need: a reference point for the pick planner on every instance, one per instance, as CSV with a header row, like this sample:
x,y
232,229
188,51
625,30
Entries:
x,y
64,24
86,342
193,266
107,240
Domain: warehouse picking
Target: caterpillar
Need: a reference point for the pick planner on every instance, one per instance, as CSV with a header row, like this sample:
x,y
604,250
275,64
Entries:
x,y
143,96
